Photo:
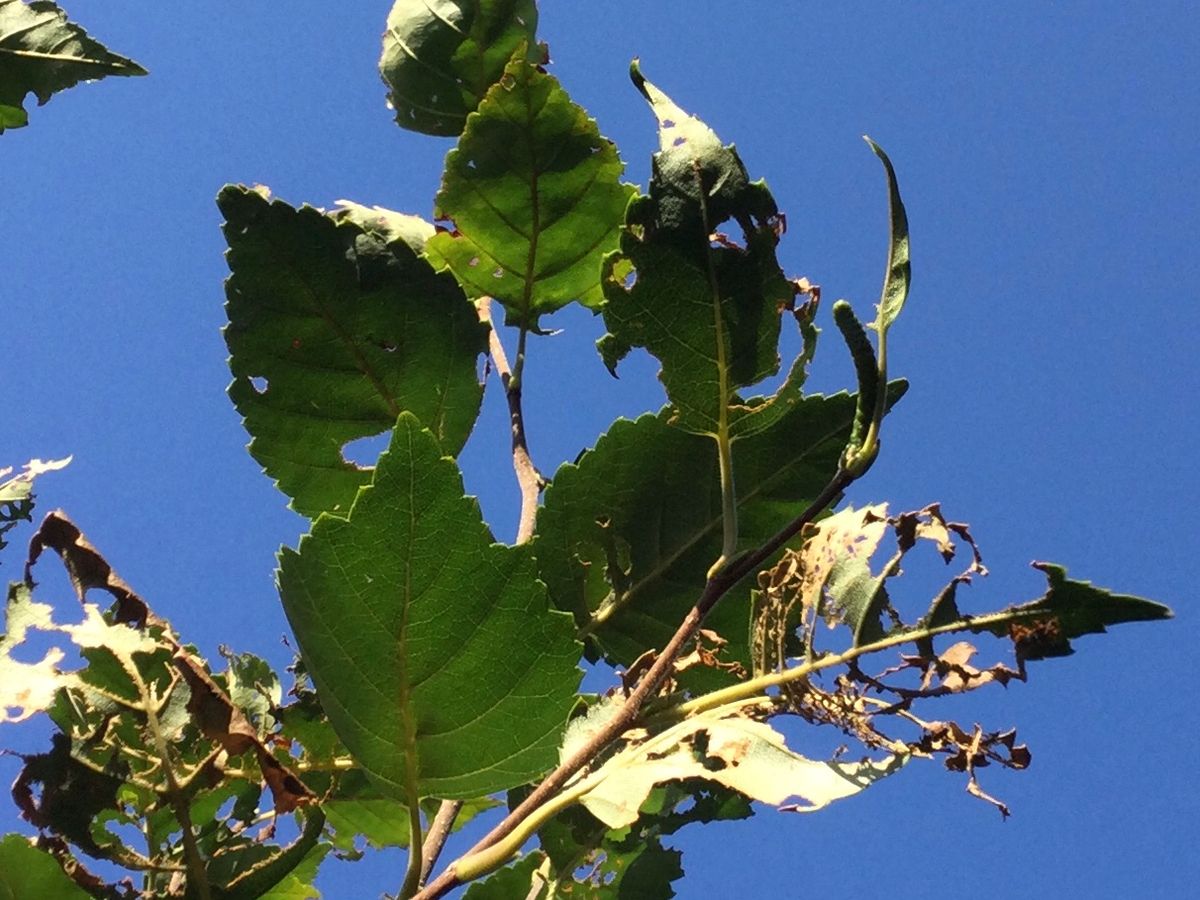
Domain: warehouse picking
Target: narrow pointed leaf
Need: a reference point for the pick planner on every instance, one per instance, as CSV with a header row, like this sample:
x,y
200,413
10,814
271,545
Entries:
x,y
335,327
1070,609
402,612
708,307
41,53
535,197
441,56
628,532
899,270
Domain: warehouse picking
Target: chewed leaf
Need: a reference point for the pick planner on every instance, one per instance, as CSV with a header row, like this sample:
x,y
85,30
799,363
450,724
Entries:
x,y
899,270
1069,609
441,56
16,492
732,747
708,306
42,53
336,325
534,194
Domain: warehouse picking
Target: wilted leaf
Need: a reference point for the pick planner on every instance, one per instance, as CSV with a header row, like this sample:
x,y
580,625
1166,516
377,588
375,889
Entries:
x,y
27,873
628,531
441,56
707,308
534,194
401,613
731,746
335,327
42,53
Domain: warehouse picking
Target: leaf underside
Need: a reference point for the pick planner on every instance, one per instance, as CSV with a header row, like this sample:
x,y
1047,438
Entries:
x,y
402,613
335,327
534,195
631,528
42,53
706,305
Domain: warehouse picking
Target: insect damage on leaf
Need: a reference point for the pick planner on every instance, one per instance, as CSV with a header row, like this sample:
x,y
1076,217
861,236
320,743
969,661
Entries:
x,y
708,307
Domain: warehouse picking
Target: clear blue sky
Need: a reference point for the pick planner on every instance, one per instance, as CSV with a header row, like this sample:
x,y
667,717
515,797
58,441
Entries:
x,y
1048,157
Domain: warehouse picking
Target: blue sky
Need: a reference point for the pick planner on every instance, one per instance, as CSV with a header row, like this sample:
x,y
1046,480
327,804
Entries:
x,y
1047,154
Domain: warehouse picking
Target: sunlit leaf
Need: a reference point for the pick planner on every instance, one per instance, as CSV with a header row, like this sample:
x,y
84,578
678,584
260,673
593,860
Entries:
x,y
42,53
534,194
334,329
402,612
441,56
733,748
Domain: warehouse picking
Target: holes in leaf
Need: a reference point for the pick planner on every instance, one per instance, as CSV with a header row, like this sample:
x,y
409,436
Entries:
x,y
678,142
499,273
364,452
387,346
260,384
473,261
668,123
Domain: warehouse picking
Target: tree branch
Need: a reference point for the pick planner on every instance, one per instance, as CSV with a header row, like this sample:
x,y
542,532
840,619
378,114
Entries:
x,y
718,585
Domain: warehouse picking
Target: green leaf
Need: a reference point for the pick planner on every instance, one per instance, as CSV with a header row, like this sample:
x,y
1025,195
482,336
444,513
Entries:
x,y
441,56
899,271
535,197
27,873
334,328
1045,627
514,882
42,53
402,612
708,308
627,532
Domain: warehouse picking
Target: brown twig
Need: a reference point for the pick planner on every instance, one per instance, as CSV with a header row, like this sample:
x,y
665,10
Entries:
x,y
529,479
718,585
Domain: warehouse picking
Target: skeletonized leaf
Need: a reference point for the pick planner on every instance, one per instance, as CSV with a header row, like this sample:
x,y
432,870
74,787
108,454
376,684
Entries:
x,y
16,492
706,306
899,270
441,56
535,197
727,745
42,53
335,327
27,873
402,611
628,531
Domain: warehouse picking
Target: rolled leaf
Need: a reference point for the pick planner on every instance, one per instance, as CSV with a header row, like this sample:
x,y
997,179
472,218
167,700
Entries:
x,y
441,56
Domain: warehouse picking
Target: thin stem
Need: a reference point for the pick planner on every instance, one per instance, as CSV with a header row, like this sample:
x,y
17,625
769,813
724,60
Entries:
x,y
412,874
718,585
729,520
436,836
197,877
529,480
